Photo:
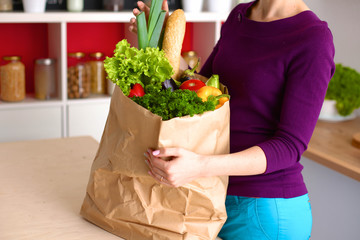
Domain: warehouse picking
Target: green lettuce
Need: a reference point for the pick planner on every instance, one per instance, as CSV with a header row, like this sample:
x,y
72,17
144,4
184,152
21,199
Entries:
x,y
130,65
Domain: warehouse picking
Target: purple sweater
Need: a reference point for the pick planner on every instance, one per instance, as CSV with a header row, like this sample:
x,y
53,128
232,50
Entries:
x,y
277,74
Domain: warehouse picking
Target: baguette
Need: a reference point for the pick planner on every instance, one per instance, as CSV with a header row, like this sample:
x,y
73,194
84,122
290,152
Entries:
x,y
173,40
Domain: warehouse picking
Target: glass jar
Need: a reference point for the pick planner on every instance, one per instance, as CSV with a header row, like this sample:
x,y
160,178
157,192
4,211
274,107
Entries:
x,y
96,63
12,76
45,78
78,76
191,58
113,5
6,5
75,5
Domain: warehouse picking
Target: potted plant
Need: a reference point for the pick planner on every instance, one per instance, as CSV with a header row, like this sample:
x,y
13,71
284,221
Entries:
x,y
343,95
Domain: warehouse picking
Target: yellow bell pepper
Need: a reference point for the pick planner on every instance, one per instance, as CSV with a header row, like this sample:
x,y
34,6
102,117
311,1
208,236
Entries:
x,y
222,101
209,93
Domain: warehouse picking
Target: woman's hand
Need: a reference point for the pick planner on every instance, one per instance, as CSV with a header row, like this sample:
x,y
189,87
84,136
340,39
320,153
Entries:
x,y
144,8
183,167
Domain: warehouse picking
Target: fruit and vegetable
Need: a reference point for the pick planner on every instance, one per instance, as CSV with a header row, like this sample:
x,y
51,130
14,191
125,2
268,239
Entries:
x,y
189,73
145,74
192,85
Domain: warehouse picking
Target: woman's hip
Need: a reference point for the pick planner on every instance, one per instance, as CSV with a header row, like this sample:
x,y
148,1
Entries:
x,y
267,218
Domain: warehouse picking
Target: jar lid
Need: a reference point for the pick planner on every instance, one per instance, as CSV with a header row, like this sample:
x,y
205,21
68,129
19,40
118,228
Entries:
x,y
12,58
76,54
96,54
190,53
45,61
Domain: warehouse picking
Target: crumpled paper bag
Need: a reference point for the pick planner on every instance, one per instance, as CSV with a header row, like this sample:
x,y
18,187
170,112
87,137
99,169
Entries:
x,y
123,199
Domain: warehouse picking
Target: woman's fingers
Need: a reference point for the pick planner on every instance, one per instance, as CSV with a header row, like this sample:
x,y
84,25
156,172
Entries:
x,y
133,26
155,169
158,174
156,164
160,179
142,7
136,12
165,6
167,152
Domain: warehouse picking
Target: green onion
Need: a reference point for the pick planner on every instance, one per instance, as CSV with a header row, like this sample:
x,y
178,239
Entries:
x,y
142,31
154,39
149,36
155,10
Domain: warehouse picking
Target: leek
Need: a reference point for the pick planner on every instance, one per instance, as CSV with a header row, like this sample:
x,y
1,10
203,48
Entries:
x,y
155,10
142,31
149,36
155,36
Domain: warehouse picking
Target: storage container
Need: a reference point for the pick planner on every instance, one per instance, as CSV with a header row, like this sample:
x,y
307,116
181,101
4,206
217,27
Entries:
x,y
75,5
6,5
223,6
12,75
113,5
78,76
34,6
193,6
96,64
45,78
191,58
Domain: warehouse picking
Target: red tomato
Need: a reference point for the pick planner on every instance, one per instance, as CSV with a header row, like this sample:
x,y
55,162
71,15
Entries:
x,y
137,91
192,84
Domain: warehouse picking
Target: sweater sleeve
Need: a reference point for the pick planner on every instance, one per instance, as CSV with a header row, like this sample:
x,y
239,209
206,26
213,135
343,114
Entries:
x,y
307,78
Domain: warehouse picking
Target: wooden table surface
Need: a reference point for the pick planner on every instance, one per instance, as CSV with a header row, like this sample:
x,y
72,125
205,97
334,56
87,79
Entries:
x,y
43,184
331,146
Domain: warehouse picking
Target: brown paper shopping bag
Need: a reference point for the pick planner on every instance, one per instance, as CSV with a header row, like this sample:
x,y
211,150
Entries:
x,y
123,199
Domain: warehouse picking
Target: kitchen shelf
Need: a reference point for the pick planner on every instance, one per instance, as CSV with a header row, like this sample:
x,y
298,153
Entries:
x,y
90,100
30,102
62,32
95,16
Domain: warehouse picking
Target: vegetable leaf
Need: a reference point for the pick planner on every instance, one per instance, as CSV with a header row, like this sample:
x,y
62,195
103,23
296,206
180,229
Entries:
x,y
130,65
155,36
150,36
142,31
155,10
178,103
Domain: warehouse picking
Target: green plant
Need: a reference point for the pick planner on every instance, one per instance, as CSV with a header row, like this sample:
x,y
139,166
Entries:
x,y
344,88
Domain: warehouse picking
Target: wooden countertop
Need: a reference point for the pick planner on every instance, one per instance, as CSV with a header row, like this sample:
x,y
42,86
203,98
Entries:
x,y
331,146
43,184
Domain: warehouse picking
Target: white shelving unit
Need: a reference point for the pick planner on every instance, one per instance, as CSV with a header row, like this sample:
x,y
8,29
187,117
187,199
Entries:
x,y
33,119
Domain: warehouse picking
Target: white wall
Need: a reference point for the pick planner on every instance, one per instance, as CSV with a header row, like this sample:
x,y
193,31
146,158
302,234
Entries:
x,y
343,18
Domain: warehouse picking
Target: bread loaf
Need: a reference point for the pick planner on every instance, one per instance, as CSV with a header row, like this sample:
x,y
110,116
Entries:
x,y
173,39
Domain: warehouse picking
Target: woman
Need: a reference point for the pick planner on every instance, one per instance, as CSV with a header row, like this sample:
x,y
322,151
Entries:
x,y
276,58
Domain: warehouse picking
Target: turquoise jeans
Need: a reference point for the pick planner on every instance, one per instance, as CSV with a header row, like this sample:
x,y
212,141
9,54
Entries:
x,y
267,218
